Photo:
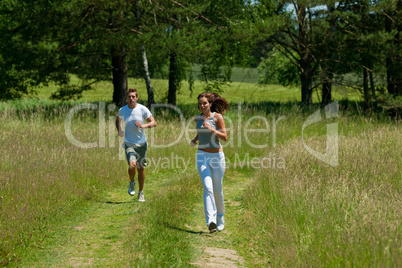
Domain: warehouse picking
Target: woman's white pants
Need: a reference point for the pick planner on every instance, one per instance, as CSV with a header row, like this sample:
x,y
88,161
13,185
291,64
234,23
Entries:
x,y
211,167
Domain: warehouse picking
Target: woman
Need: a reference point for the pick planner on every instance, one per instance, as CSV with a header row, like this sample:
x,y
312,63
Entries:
x,y
210,157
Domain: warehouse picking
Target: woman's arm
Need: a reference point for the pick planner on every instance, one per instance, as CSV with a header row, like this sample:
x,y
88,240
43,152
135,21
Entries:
x,y
194,141
220,123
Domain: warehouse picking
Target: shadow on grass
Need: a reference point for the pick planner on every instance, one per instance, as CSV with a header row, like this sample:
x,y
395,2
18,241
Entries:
x,y
114,202
184,230
117,202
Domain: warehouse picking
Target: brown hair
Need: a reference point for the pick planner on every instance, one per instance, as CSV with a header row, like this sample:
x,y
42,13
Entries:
x,y
134,90
218,104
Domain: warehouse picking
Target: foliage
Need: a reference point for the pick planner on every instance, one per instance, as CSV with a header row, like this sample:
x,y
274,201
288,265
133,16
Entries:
x,y
322,40
390,104
325,40
69,92
277,69
14,84
22,58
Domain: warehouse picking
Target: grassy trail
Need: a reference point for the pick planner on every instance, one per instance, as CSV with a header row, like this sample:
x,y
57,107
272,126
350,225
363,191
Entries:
x,y
219,249
103,233
96,237
304,215
98,240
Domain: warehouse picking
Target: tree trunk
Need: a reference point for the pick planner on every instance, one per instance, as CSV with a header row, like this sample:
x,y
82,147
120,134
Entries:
x,y
366,94
306,91
172,79
394,59
305,79
372,86
147,78
119,67
326,93
305,58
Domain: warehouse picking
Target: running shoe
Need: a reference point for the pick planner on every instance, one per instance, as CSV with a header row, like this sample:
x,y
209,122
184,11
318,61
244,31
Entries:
x,y
221,223
212,227
131,188
141,197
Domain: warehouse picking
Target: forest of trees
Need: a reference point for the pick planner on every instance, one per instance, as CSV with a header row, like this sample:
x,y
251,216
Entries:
x,y
312,44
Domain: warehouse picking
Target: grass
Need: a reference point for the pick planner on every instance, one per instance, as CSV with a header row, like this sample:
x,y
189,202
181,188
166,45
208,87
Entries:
x,y
311,215
38,184
242,89
284,206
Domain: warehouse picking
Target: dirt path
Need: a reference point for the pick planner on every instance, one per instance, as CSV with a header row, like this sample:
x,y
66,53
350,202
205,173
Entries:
x,y
220,257
217,248
99,237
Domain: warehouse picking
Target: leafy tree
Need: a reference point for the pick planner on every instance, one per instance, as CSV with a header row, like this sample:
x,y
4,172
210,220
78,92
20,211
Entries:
x,y
97,39
204,34
91,39
301,35
363,47
23,49
277,69
393,25
327,39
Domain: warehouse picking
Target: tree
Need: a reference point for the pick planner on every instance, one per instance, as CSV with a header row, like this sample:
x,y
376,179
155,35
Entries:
x,y
146,74
364,47
393,25
97,39
105,30
277,69
195,33
23,49
297,27
91,39
303,34
327,39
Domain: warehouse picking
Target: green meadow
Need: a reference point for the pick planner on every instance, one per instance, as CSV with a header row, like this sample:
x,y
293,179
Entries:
x,y
63,183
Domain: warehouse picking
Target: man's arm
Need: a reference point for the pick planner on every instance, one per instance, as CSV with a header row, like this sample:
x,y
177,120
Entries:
x,y
151,123
118,126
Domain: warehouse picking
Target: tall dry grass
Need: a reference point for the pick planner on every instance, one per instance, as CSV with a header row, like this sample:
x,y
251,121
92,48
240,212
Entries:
x,y
305,214
313,215
44,176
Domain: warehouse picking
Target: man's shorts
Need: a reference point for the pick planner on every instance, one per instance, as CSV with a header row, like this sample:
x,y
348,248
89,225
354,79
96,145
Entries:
x,y
136,152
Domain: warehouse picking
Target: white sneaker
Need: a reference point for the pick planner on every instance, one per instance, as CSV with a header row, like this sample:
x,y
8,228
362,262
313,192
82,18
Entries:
x,y
141,197
221,223
131,188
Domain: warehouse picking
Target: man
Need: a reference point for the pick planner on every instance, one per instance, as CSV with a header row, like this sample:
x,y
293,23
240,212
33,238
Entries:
x,y
135,142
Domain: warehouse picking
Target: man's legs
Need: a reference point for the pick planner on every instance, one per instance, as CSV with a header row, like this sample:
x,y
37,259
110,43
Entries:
x,y
136,157
141,177
131,170
141,174
131,174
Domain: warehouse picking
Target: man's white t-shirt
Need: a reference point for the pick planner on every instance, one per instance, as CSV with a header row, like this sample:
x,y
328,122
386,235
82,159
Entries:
x,y
132,133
